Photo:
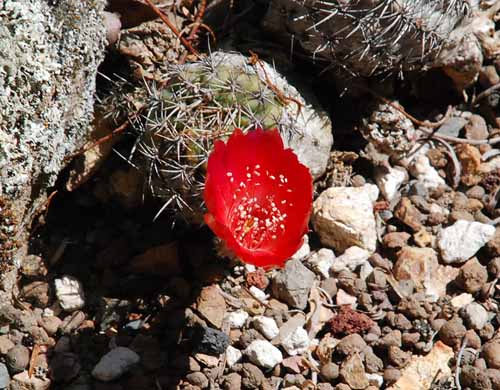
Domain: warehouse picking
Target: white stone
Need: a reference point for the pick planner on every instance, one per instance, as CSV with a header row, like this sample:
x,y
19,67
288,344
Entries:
x,y
390,181
233,356
236,319
343,298
250,268
365,271
263,354
424,172
69,292
321,261
475,315
48,312
375,380
304,250
351,259
267,326
258,293
460,241
115,363
343,217
462,300
296,342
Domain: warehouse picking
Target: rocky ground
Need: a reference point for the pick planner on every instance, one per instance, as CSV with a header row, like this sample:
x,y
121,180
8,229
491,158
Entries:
x,y
395,286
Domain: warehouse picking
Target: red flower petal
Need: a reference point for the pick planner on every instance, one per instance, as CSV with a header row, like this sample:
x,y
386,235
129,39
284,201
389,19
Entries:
x,y
258,196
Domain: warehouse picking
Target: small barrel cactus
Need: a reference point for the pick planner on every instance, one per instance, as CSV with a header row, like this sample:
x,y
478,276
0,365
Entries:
x,y
201,102
367,37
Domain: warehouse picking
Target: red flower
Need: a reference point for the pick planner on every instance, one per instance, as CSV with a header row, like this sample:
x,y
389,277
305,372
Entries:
x,y
259,197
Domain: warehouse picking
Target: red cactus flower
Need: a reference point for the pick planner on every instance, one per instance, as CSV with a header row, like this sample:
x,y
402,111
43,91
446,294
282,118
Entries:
x,y
258,196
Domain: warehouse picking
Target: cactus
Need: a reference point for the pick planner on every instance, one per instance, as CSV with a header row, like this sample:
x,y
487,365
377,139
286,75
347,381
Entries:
x,y
369,37
204,101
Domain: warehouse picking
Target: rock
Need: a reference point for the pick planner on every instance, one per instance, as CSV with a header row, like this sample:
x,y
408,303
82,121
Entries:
x,y
343,217
212,305
389,180
351,344
209,341
342,299
198,379
304,249
252,376
293,284
69,292
50,324
233,356
470,160
64,367
476,128
474,378
396,240
397,357
353,373
408,214
115,363
296,342
40,130
461,300
236,319
422,370
349,321
321,262
472,276
426,174
352,258
232,381
264,354
475,315
267,326
329,371
373,363
494,376
23,381
491,353
72,321
391,375
4,376
416,264
463,239
452,332
17,358
5,344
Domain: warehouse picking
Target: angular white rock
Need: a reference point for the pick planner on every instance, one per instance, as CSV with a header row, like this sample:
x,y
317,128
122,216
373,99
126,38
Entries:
x,y
321,261
263,354
304,250
375,380
258,293
461,300
343,217
233,356
425,173
296,342
352,258
475,315
390,181
267,326
115,363
69,292
460,241
236,319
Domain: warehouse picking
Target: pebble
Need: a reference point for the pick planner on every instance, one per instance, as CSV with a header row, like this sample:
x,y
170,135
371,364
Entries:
x,y
264,354
475,378
321,261
236,319
253,377
343,217
72,321
5,344
452,332
375,380
351,344
17,358
329,371
64,367
198,379
491,353
69,292
391,375
472,276
23,381
232,381
233,356
210,341
258,293
304,249
461,300
475,315
352,258
115,363
4,376
353,373
51,324
267,326
293,284
212,305
296,342
425,173
390,180
463,239
37,292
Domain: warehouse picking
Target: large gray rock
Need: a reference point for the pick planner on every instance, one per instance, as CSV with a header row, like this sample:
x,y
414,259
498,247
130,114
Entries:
x,y
48,66
293,284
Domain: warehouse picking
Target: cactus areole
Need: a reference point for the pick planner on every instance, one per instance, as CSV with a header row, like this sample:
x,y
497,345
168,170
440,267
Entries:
x,y
258,197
